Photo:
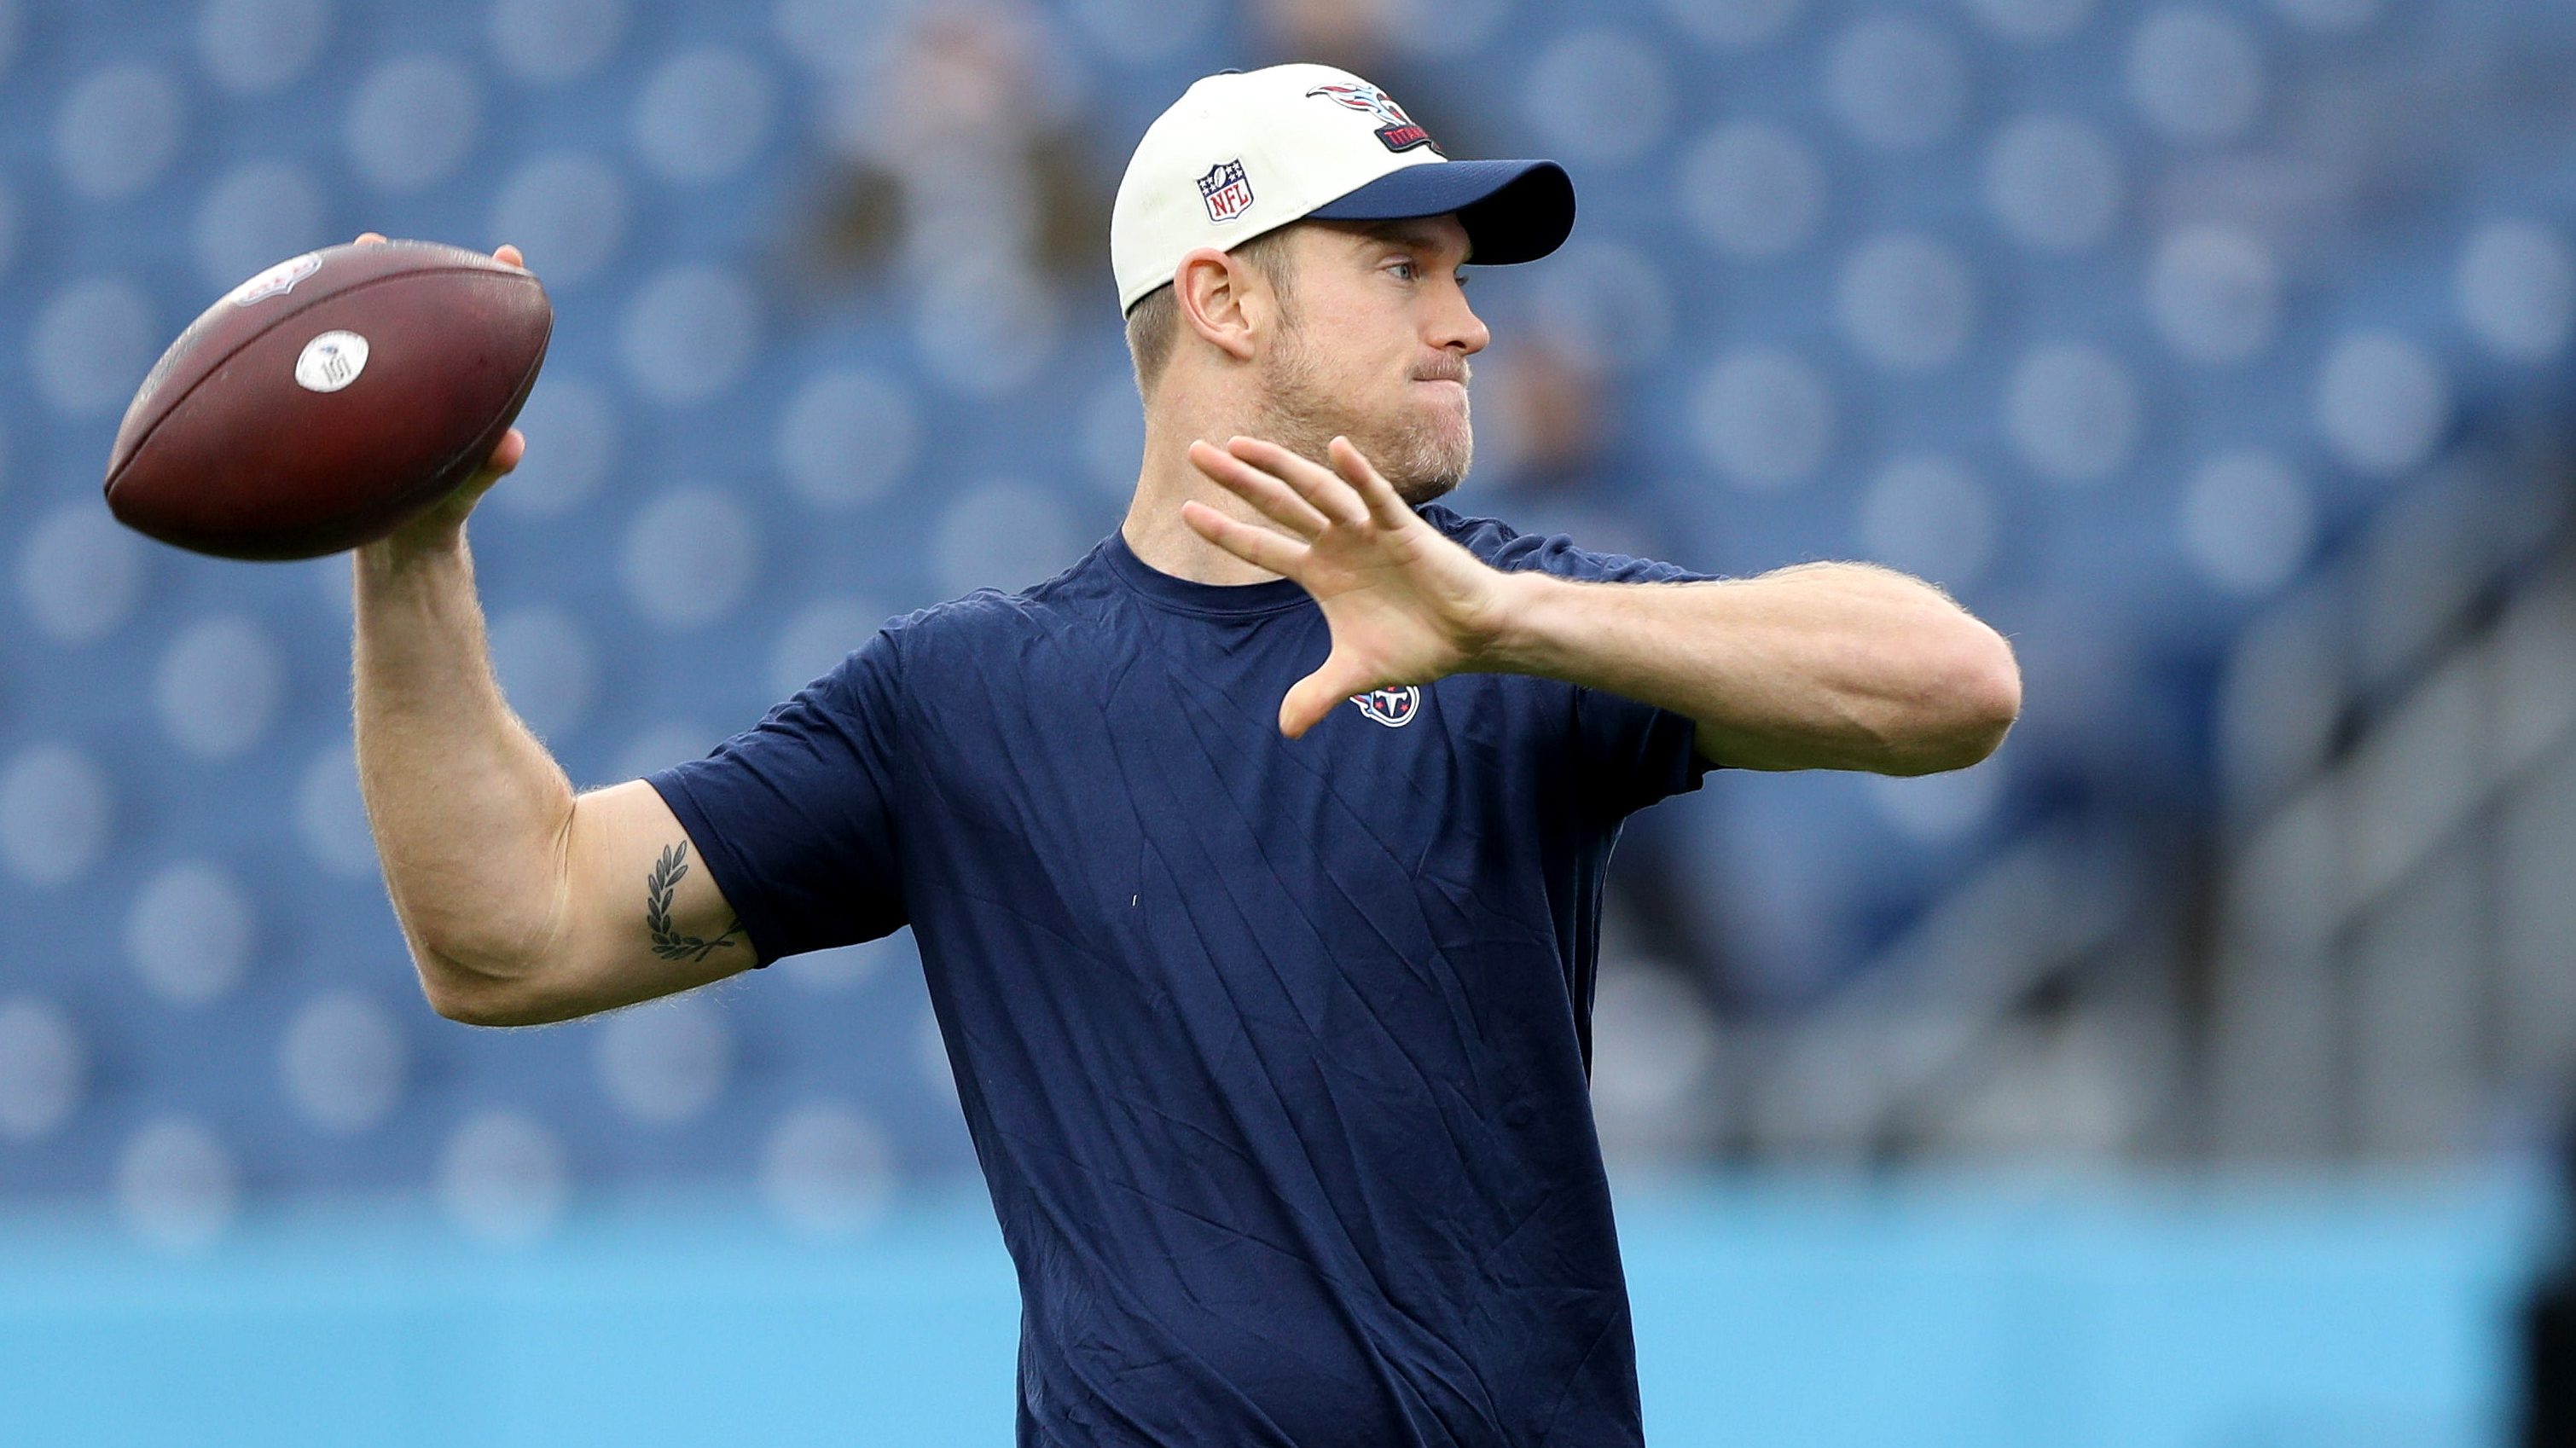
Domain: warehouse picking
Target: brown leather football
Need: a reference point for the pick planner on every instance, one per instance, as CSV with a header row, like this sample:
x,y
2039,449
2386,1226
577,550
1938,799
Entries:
x,y
329,400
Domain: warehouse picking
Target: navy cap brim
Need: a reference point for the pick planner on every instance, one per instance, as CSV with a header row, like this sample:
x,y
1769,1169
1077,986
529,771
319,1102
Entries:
x,y
1514,211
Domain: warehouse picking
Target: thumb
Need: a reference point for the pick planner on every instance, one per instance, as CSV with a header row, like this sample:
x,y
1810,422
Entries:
x,y
505,455
1311,699
451,510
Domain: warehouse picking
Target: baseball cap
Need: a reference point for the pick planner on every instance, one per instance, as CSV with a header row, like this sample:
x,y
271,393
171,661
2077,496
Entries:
x,y
1246,152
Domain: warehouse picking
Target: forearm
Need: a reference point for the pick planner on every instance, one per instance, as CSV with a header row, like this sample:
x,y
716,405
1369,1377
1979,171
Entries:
x,y
471,815
1839,666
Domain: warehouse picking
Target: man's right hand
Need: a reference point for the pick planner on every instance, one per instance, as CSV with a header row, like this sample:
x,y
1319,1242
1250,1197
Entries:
x,y
445,522
522,902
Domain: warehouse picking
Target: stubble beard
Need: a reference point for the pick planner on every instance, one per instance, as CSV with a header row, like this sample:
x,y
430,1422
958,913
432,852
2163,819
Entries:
x,y
1420,458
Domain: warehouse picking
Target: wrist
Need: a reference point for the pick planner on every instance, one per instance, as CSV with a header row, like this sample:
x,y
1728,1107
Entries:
x,y
1513,638
423,543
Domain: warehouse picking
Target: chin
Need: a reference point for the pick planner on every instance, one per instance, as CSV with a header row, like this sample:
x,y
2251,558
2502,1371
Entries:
x,y
1448,452
1428,490
1428,473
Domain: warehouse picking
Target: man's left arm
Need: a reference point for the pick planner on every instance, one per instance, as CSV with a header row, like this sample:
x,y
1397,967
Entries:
x,y
1822,666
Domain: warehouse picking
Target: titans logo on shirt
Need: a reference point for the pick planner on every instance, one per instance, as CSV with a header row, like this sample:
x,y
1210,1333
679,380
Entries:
x,y
1394,707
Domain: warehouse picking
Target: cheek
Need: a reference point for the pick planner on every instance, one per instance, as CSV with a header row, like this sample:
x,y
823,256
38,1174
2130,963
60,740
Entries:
x,y
1356,348
1372,384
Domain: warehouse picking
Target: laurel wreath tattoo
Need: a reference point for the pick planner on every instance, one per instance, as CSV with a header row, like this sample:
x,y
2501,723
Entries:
x,y
668,942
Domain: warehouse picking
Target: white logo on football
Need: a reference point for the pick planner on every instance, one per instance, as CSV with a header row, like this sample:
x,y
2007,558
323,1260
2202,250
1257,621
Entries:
x,y
331,361
1394,707
277,280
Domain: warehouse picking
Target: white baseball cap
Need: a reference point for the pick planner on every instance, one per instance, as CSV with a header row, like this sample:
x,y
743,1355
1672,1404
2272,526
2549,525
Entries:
x,y
1247,152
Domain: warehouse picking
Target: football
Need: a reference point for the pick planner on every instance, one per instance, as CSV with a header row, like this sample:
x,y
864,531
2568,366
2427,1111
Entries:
x,y
328,400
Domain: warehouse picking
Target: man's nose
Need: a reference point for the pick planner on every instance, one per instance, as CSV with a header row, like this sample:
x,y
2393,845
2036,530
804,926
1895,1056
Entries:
x,y
1459,329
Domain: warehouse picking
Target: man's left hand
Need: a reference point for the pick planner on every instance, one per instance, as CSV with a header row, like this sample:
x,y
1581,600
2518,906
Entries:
x,y
1405,604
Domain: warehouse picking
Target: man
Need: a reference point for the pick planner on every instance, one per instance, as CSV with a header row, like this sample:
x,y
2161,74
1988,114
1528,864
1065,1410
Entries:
x,y
1254,859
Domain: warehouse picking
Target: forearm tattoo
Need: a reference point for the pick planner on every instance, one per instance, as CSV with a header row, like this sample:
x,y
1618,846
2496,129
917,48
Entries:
x,y
669,943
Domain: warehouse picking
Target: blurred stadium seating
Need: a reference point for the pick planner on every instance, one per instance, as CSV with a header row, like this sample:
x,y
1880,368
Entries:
x,y
2217,350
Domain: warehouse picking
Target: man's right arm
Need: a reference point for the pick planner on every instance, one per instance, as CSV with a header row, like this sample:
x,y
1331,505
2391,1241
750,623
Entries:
x,y
522,902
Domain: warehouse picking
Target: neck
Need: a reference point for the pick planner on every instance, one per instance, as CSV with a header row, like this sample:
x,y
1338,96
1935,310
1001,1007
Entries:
x,y
1153,527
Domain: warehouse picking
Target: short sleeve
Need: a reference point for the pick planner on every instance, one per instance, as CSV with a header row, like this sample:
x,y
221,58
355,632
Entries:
x,y
795,816
1632,754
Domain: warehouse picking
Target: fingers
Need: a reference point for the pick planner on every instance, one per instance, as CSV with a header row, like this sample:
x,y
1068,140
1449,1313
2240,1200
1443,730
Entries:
x,y
1257,546
1374,490
1260,489
1330,495
506,254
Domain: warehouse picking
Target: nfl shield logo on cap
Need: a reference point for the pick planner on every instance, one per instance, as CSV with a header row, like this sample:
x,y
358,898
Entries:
x,y
1226,190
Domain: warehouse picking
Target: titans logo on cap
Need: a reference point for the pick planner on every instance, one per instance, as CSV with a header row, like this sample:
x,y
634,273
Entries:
x,y
1226,190
1399,132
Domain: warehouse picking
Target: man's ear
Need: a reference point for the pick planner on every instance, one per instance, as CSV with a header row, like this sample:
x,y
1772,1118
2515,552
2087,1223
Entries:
x,y
1217,300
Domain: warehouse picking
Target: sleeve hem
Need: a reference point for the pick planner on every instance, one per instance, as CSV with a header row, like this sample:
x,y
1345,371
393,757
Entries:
x,y
718,857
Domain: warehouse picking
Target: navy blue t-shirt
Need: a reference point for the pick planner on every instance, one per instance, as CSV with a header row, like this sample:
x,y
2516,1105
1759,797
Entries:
x,y
1274,1052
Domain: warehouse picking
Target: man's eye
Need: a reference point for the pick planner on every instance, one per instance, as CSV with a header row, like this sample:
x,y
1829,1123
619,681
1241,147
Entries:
x,y
1406,270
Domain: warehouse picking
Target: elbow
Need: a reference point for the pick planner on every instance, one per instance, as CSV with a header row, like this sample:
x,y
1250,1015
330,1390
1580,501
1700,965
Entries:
x,y
1973,701
1989,692
470,996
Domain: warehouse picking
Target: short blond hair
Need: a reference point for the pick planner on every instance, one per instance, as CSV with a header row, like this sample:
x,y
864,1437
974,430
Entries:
x,y
1154,323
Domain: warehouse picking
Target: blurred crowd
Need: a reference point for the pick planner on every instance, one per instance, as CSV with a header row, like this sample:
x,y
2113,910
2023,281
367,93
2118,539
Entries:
x,y
2218,353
